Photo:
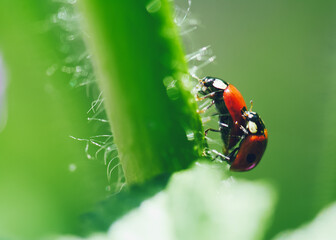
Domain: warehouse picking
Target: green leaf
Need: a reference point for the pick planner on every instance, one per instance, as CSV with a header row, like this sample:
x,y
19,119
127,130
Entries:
x,y
199,203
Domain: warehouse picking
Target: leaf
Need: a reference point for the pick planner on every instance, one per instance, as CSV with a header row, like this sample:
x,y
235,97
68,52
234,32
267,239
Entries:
x,y
199,203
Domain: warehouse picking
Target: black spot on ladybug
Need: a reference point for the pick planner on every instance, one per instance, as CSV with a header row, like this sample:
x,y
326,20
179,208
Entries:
x,y
251,158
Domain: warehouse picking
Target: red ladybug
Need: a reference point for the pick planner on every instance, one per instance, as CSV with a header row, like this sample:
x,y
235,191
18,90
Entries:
x,y
237,125
252,146
230,105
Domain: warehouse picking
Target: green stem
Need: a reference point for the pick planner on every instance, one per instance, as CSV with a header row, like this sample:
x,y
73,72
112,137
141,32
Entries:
x,y
140,65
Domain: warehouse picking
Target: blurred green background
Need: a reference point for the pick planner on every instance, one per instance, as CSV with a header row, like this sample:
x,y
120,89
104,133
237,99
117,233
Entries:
x,y
46,180
281,54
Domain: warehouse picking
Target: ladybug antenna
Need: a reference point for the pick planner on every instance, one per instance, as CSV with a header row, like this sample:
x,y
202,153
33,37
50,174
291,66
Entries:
x,y
251,102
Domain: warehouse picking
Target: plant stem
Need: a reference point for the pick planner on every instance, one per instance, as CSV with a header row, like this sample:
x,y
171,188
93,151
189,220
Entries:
x,y
140,65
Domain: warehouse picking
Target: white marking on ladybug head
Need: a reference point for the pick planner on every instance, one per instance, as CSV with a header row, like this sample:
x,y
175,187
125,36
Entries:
x,y
251,114
252,126
204,88
219,84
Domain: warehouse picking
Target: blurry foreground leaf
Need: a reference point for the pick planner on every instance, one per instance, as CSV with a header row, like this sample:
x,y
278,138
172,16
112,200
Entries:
x,y
115,206
198,204
322,227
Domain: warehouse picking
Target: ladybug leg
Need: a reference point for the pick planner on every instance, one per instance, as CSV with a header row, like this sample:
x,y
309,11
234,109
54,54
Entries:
x,y
244,130
212,130
206,108
210,95
221,156
232,155
216,130
220,114
223,124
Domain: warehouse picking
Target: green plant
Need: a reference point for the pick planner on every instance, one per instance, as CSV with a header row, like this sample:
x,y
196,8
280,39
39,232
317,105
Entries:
x,y
141,69
144,81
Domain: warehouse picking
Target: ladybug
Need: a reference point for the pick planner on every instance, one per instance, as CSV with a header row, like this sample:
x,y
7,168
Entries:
x,y
236,125
230,105
252,145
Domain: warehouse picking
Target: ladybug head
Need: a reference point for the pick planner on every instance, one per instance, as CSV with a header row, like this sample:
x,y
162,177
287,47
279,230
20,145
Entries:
x,y
254,124
210,85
